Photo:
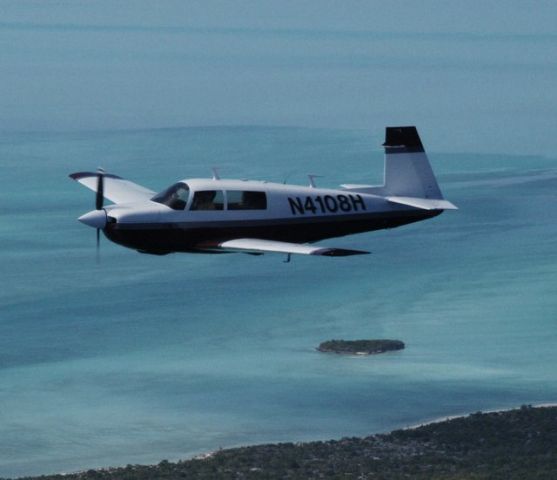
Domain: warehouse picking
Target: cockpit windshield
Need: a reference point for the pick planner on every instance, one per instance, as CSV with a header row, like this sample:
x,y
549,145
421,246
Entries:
x,y
175,197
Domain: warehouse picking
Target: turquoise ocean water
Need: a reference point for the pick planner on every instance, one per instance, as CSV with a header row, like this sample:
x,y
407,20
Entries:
x,y
141,358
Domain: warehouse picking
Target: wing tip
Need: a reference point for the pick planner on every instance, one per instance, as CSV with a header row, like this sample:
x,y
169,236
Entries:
x,y
339,252
79,175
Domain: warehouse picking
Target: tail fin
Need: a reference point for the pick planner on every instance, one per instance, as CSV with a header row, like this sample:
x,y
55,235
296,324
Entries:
x,y
409,179
407,169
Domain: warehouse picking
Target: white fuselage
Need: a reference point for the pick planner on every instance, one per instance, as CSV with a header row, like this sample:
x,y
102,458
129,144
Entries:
x,y
290,213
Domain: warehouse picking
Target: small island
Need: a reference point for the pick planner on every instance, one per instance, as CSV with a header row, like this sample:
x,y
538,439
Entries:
x,y
360,347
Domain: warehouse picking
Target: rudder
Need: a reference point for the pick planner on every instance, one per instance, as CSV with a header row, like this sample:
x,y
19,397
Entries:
x,y
407,169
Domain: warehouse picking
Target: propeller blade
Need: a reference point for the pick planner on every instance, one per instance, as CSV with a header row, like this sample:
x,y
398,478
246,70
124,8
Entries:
x,y
100,190
99,198
98,245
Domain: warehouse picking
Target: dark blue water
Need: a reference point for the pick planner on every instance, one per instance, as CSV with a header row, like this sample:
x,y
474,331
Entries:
x,y
141,358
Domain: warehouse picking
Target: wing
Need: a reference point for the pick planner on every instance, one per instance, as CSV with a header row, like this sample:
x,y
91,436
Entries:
x,y
116,189
256,245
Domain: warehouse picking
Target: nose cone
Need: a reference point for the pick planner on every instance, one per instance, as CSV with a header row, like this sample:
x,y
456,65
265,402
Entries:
x,y
94,218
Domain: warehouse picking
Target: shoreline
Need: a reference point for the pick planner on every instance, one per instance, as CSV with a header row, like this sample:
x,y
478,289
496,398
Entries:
x,y
209,455
437,420
464,415
505,444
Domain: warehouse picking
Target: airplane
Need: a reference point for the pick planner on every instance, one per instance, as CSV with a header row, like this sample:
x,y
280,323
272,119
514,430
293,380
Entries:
x,y
216,215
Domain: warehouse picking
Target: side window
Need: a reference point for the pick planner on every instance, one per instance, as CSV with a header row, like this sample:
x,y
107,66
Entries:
x,y
208,200
238,200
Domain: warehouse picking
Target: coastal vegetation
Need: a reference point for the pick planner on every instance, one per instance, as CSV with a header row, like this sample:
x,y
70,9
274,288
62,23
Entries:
x,y
512,445
360,347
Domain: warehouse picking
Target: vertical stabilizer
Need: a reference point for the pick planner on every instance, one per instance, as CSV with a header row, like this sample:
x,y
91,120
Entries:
x,y
407,169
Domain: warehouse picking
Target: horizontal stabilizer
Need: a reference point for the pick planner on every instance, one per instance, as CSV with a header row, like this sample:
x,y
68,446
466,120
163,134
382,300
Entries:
x,y
424,203
116,189
255,245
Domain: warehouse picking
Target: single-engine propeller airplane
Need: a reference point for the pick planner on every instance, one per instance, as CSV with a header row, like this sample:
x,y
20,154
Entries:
x,y
217,215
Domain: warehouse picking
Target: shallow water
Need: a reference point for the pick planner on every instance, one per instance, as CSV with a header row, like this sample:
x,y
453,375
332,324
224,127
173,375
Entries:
x,y
141,358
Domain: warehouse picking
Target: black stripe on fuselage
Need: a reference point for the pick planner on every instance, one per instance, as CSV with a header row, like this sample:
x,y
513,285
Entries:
x,y
190,237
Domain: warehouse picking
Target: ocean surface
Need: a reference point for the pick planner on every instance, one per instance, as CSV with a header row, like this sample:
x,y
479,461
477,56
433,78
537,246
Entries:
x,y
141,358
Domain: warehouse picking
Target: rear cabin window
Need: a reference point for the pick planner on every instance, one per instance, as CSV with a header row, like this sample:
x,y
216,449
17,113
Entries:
x,y
208,200
242,200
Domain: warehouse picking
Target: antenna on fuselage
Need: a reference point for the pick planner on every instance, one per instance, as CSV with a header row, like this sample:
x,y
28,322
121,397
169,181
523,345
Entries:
x,y
288,175
312,180
215,173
